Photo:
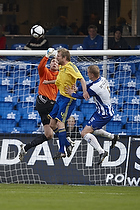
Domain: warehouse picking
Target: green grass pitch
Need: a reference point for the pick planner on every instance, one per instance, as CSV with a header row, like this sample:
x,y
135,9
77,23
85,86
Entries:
x,y
68,197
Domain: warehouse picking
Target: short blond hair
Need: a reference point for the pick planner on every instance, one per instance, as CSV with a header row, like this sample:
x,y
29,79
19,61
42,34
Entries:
x,y
64,53
94,69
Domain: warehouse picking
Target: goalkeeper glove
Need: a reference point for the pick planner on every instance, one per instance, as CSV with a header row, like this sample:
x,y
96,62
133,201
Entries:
x,y
50,52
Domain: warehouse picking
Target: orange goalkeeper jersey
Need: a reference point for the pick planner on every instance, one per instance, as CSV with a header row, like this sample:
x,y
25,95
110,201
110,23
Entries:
x,y
49,90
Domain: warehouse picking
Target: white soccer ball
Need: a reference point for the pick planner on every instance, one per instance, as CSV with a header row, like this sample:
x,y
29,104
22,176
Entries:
x,y
37,31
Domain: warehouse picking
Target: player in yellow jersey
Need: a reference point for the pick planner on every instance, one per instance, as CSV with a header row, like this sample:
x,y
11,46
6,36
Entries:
x,y
67,77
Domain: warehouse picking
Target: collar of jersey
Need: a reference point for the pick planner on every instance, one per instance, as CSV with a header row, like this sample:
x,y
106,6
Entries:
x,y
61,67
97,80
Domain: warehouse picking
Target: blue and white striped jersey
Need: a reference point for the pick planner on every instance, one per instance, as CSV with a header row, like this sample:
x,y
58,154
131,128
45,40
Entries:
x,y
101,94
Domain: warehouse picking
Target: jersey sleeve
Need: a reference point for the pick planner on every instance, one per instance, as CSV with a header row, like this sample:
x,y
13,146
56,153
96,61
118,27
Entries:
x,y
79,95
74,71
42,65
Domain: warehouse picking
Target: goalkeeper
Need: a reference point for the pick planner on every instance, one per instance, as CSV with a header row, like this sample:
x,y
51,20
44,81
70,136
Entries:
x,y
45,100
99,89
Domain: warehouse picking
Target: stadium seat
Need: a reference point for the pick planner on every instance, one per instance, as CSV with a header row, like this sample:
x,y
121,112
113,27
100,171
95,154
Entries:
x,y
137,47
7,125
28,125
18,46
114,83
132,127
114,127
29,115
77,47
11,114
7,81
87,110
137,83
58,46
5,106
3,89
127,68
78,102
111,68
78,115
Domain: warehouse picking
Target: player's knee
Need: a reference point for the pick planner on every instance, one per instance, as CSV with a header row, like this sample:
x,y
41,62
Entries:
x,y
49,135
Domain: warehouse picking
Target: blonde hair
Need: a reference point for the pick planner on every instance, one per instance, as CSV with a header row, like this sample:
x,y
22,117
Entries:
x,y
94,69
64,53
72,118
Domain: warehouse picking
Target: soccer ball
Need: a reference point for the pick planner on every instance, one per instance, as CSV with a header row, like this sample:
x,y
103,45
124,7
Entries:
x,y
37,31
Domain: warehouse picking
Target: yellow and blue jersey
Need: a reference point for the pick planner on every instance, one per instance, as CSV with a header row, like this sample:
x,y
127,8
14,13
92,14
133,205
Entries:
x,y
68,74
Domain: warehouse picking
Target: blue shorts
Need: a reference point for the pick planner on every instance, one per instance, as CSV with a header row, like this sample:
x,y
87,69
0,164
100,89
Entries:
x,y
97,121
62,108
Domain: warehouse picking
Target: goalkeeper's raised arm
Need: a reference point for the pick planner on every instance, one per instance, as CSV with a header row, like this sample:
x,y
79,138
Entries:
x,y
45,100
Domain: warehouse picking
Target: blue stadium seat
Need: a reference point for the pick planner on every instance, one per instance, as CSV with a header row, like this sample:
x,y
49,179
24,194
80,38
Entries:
x,y
28,125
87,109
132,128
58,46
132,103
5,106
18,46
114,127
77,47
3,89
78,115
128,83
113,83
137,47
29,115
7,125
32,70
127,68
138,80
24,108
111,68
7,81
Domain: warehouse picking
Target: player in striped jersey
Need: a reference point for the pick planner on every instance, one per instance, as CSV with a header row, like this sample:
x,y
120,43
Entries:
x,y
100,91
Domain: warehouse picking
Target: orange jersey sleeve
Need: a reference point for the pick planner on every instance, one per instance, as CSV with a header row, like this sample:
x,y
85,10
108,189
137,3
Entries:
x,y
49,90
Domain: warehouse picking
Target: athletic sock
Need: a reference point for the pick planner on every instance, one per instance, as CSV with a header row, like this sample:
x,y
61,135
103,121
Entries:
x,y
103,133
38,140
91,139
56,131
62,140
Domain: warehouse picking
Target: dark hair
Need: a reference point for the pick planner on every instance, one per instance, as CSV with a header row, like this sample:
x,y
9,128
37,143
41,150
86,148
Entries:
x,y
52,59
92,26
118,29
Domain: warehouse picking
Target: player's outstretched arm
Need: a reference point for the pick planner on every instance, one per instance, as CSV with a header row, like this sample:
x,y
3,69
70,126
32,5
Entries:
x,y
84,87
